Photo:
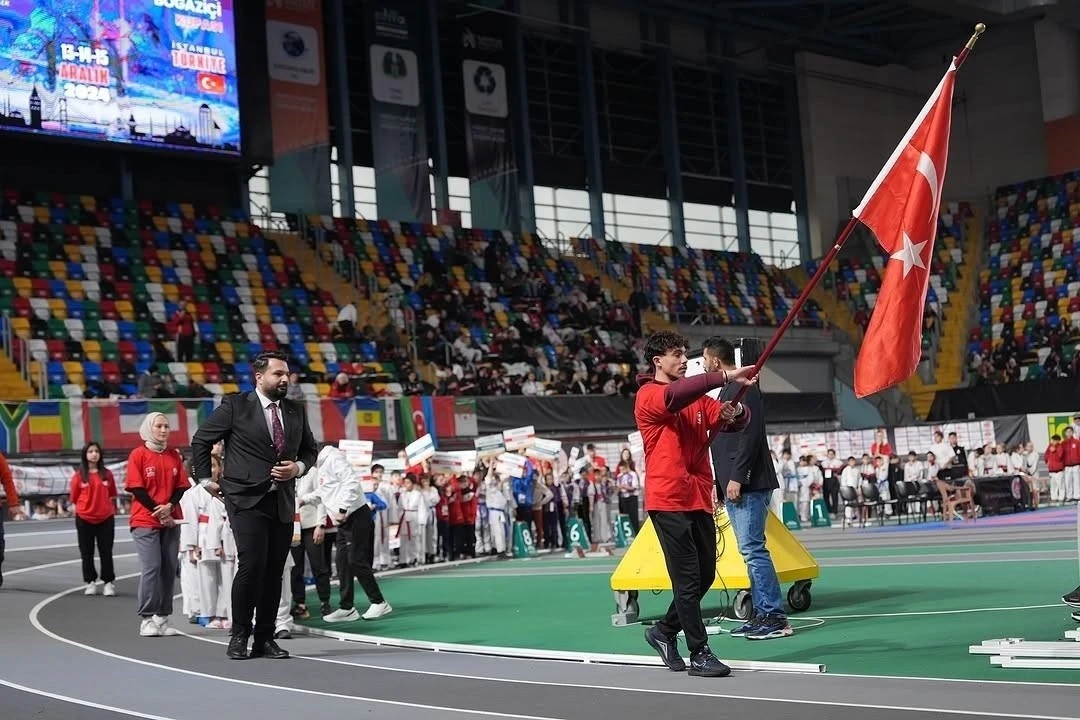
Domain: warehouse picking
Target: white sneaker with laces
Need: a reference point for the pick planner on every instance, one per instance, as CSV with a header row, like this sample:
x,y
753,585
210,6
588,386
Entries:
x,y
149,628
163,626
340,615
110,590
377,610
91,589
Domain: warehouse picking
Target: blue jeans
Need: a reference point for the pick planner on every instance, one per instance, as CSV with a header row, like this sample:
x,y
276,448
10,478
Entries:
x,y
748,517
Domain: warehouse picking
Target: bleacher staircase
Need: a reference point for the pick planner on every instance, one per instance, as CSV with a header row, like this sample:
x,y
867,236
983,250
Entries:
x,y
948,369
321,271
12,384
620,291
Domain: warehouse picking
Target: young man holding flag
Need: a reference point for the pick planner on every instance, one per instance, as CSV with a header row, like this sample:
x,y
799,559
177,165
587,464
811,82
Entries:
x,y
676,420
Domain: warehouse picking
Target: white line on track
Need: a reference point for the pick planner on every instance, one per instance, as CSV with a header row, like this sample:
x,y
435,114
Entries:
x,y
61,563
647,691
62,546
84,703
36,623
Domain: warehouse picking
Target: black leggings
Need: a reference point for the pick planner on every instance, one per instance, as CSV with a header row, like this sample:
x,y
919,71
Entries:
x,y
101,534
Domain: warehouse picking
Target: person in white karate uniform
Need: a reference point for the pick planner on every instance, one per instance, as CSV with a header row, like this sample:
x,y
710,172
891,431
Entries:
x,y
381,487
413,520
431,532
189,556
213,595
498,498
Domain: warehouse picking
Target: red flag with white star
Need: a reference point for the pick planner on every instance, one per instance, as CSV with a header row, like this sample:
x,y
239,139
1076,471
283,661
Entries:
x,y
901,209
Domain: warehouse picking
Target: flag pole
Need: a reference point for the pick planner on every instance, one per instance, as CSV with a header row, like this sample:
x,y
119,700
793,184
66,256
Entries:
x,y
842,238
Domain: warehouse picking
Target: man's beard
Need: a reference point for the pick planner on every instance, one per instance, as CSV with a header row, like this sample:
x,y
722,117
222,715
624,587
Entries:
x,y
276,392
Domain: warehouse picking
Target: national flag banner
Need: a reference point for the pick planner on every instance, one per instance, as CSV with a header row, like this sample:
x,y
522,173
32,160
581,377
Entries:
x,y
390,420
369,419
455,417
358,452
511,465
465,422
452,463
331,419
132,414
519,438
489,445
901,209
544,449
419,450
637,445
56,424
417,417
15,428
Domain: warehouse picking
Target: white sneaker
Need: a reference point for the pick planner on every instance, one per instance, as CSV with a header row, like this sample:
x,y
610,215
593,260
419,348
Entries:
x,y
162,622
339,616
149,628
110,590
377,610
91,589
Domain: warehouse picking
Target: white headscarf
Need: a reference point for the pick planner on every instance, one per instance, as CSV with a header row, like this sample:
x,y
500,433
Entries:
x,y
146,432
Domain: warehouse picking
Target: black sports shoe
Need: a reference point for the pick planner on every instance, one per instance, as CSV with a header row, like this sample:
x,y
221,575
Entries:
x,y
704,664
746,627
1072,599
667,647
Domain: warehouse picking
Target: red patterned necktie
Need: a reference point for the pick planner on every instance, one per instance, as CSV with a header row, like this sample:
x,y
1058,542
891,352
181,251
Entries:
x,y
279,431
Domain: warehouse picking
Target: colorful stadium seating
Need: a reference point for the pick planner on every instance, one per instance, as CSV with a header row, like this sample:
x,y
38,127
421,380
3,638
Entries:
x,y
1032,273
89,286
737,287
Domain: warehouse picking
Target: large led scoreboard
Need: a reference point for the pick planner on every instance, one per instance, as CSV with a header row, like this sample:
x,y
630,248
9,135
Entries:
x,y
152,73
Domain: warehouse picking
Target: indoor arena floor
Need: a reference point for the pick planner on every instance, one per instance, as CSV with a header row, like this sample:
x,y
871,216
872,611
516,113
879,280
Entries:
x,y
893,614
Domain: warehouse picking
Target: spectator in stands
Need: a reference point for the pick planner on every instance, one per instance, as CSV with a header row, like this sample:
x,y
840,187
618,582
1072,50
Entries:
x,y
149,383
341,388
156,480
10,506
93,496
346,321
181,328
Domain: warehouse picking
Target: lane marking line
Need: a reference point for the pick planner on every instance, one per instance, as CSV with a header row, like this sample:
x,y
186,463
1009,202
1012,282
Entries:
x,y
84,703
37,625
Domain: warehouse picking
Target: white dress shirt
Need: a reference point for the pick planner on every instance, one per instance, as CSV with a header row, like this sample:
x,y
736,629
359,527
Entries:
x,y
266,402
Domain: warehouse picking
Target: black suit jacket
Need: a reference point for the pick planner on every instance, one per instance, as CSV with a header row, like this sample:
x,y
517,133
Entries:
x,y
249,450
744,456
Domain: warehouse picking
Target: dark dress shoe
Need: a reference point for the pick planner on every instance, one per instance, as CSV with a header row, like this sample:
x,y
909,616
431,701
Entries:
x,y
237,647
268,649
283,635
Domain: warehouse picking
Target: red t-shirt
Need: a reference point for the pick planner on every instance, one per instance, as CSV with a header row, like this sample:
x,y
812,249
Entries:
x,y
161,474
93,500
678,467
1055,457
1071,447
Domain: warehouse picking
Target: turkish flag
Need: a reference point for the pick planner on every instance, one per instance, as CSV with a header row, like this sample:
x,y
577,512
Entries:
x,y
901,209
210,83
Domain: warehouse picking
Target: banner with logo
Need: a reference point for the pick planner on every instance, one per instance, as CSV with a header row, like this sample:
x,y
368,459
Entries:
x,y
300,177
398,124
489,147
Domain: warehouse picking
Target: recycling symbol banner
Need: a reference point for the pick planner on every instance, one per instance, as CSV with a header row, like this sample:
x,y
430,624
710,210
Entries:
x,y
489,137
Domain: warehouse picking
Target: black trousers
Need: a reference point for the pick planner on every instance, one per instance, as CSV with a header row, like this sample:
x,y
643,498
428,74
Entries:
x,y
832,495
688,540
262,546
320,570
355,554
100,534
628,505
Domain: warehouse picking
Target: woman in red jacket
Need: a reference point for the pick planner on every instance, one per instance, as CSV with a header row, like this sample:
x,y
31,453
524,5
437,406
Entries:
x,y
93,495
156,482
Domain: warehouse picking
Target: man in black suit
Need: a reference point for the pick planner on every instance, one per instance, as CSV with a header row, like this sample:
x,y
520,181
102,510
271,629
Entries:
x,y
268,444
745,482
